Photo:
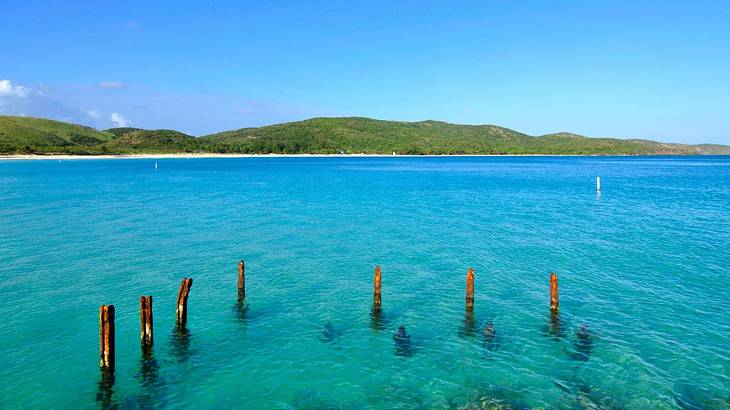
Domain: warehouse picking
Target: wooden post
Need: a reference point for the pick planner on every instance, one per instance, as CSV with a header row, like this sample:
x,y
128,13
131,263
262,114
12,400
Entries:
x,y
182,302
145,320
470,289
241,281
554,301
106,338
376,287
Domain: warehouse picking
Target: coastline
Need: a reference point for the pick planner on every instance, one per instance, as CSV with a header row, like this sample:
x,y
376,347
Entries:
x,y
212,155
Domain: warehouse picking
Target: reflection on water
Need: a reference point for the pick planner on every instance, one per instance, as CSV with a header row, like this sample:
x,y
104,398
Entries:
x,y
468,327
554,328
181,343
105,392
241,309
150,380
377,319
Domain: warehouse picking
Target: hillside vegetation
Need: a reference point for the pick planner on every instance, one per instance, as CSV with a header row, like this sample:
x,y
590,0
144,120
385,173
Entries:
x,y
323,136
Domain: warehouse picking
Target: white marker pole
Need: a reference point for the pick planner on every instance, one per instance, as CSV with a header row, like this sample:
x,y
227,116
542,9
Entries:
x,y
598,184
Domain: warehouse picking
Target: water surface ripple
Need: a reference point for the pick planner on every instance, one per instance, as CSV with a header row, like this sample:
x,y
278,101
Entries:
x,y
644,265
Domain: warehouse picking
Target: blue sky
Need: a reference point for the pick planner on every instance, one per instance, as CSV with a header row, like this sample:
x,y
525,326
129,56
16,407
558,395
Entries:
x,y
658,70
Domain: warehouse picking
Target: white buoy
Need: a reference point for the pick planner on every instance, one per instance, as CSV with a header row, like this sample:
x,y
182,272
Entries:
x,y
598,184
155,166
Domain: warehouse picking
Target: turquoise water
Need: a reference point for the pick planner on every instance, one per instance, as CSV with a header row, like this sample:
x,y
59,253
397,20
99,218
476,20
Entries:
x,y
645,266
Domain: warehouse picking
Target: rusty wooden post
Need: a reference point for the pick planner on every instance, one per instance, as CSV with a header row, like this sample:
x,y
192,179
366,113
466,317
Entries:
x,y
470,289
376,287
182,302
106,338
554,301
241,281
145,321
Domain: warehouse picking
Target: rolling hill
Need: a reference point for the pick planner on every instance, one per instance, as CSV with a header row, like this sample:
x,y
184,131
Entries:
x,y
352,135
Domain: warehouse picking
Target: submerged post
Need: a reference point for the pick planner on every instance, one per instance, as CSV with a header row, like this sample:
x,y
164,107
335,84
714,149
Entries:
x,y
106,338
376,287
554,300
182,302
145,321
241,281
470,289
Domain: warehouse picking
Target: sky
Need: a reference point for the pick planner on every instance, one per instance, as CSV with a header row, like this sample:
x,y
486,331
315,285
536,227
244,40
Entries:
x,y
628,69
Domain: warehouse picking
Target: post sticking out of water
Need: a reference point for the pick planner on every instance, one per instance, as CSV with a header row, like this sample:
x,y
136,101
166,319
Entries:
x,y
554,300
106,338
376,287
241,281
182,302
145,321
470,289
598,184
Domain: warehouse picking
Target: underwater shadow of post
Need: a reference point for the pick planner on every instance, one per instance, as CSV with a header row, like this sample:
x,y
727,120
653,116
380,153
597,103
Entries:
x,y
402,342
490,340
582,344
330,334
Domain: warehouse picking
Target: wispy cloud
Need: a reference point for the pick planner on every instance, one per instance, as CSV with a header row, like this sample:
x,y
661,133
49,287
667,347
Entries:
x,y
8,89
112,85
194,113
35,102
119,121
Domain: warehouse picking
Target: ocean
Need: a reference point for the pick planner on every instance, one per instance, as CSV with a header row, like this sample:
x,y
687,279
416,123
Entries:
x,y
643,268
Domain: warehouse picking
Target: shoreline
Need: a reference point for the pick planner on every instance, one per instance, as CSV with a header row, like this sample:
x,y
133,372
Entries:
x,y
14,157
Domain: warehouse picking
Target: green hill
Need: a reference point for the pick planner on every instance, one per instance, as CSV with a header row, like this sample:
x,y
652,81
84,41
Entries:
x,y
26,134
158,141
324,136
364,135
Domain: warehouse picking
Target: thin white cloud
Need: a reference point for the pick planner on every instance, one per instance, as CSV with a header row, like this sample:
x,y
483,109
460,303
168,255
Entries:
x,y
34,102
119,120
8,89
112,85
94,114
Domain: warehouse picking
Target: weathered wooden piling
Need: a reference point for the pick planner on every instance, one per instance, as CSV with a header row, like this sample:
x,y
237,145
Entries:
x,y
145,320
241,280
554,300
376,287
182,302
106,338
470,289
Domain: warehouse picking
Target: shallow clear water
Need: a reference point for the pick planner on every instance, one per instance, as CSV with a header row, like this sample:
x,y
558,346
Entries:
x,y
645,265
